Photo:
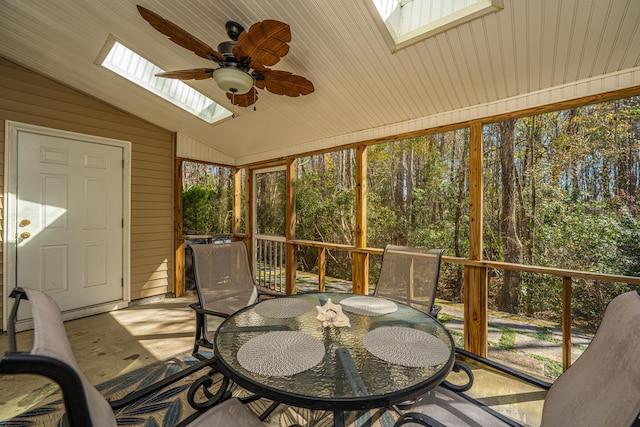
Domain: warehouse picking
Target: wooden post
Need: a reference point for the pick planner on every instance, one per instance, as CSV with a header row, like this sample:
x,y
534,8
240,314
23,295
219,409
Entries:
x,y
360,260
566,323
322,264
178,279
248,216
237,202
290,227
475,278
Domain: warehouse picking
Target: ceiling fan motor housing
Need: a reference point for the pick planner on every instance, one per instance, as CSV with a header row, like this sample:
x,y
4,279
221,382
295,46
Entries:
x,y
226,48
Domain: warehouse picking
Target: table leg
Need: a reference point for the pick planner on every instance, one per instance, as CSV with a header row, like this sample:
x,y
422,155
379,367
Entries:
x,y
338,418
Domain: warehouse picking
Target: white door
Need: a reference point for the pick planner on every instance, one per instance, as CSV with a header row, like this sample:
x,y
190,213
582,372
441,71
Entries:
x,y
69,218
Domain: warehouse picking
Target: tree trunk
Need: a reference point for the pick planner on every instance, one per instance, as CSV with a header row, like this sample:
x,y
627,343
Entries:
x,y
508,298
409,201
399,194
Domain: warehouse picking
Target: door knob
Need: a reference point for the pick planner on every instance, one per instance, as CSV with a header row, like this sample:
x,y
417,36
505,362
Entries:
x,y
25,235
24,223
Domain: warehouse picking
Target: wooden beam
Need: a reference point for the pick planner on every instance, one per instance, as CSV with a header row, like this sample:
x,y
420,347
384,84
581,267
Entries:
x,y
237,201
322,265
248,215
476,278
475,192
290,227
360,261
178,280
475,310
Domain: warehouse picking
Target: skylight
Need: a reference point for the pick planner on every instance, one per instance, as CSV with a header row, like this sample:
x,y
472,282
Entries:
x,y
133,67
409,21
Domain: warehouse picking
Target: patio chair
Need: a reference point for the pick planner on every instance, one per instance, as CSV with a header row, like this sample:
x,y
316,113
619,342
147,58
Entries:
x,y
224,285
410,276
602,388
52,357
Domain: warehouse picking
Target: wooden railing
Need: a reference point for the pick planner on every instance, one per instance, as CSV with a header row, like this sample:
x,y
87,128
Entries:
x,y
566,275
210,238
270,261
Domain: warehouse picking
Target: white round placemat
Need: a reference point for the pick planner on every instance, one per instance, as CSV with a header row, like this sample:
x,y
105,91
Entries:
x,y
368,306
406,346
281,353
282,308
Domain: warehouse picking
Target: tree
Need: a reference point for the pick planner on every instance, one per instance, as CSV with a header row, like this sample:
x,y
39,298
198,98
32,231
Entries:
x,y
509,294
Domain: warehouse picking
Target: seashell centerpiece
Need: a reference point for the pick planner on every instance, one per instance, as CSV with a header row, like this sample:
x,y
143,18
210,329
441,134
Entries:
x,y
331,314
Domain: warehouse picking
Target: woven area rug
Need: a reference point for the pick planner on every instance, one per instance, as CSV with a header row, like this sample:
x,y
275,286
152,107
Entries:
x,y
169,406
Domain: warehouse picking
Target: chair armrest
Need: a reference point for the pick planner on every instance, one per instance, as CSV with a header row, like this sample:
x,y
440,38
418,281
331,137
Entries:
x,y
198,309
262,290
504,369
435,311
75,402
417,418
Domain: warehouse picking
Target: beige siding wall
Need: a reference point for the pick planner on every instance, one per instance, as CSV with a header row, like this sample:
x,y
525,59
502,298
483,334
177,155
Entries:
x,y
28,97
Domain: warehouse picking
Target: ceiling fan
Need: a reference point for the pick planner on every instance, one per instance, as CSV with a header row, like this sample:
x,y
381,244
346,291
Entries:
x,y
242,61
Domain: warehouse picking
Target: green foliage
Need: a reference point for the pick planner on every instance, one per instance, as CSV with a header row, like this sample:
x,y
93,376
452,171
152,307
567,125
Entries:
x,y
196,218
577,180
271,203
552,369
544,333
507,339
325,209
207,200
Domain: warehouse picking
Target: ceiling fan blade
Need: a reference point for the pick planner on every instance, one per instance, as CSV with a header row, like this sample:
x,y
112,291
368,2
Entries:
x,y
180,36
284,83
245,99
194,74
265,43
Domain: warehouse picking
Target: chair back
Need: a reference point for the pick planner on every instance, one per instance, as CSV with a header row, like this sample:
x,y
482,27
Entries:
x,y
223,277
52,356
603,386
410,276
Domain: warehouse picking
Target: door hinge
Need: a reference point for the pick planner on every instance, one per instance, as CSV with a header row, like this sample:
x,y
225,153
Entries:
x,y
122,282
122,222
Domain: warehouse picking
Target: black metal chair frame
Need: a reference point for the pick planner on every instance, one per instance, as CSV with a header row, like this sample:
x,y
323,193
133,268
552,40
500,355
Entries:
x,y
77,413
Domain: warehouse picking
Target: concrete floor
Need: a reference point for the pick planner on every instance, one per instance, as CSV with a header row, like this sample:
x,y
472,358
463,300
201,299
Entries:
x,y
111,344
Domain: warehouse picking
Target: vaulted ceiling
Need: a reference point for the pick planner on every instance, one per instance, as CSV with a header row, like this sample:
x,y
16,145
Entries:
x,y
528,53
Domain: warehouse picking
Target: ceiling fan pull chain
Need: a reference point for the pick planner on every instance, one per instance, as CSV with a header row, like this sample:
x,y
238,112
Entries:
x,y
233,102
254,99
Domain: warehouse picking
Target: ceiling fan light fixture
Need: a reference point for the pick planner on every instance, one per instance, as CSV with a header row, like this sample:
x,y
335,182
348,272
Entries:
x,y
233,80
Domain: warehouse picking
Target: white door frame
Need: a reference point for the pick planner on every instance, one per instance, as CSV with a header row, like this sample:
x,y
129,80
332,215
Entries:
x,y
12,129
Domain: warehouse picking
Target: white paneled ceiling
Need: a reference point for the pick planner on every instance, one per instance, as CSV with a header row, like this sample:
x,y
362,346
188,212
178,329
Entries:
x,y
360,85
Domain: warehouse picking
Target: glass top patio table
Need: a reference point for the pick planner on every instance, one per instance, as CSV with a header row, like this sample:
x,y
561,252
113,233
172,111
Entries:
x,y
333,368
